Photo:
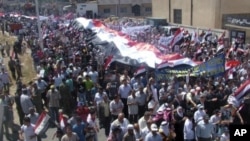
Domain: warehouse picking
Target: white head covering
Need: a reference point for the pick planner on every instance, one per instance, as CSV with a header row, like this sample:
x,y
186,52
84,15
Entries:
x,y
178,111
164,127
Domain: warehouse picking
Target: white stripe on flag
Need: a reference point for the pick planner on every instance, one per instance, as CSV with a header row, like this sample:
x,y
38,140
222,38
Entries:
x,y
173,63
42,123
62,124
242,91
140,70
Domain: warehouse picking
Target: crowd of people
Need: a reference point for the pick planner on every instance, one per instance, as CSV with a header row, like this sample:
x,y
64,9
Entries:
x,y
75,90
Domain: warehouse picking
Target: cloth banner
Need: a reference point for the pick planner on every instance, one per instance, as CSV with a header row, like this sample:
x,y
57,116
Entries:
x,y
213,67
42,123
134,29
168,72
165,41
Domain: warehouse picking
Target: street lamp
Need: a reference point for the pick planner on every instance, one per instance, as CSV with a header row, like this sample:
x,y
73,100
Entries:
x,y
39,26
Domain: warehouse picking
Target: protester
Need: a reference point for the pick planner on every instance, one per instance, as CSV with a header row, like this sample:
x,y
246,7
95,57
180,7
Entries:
x,y
27,131
69,135
153,135
74,72
205,130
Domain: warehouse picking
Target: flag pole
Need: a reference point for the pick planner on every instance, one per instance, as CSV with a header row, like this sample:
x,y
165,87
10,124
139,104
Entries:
x,y
39,25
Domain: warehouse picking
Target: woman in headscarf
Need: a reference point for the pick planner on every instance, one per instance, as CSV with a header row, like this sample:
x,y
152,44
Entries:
x,y
179,120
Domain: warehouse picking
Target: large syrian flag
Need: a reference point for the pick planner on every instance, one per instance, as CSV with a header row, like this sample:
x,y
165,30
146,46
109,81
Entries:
x,y
141,52
242,91
42,123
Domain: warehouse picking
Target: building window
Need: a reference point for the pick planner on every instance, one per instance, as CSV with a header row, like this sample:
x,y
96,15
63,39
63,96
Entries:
x,y
178,16
148,9
107,10
123,10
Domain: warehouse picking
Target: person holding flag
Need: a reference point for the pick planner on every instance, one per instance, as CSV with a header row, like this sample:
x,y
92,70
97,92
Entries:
x,y
27,132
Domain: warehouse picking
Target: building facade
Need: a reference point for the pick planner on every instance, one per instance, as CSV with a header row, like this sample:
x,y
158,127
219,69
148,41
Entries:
x,y
123,8
87,9
206,13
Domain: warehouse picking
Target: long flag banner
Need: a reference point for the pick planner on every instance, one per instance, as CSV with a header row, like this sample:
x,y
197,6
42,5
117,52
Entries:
x,y
134,29
142,52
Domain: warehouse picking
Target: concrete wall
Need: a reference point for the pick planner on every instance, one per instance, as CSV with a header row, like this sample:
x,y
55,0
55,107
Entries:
x,y
133,2
203,11
235,6
127,13
160,9
185,5
206,13
143,9
111,7
83,7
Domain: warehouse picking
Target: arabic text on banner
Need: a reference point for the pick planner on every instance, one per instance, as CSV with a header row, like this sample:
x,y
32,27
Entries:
x,y
213,67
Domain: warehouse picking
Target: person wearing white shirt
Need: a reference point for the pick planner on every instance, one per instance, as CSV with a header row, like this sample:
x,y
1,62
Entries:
x,y
146,130
188,129
137,132
204,130
143,120
122,122
33,115
225,136
42,85
57,80
132,103
215,120
27,132
198,115
124,91
91,120
93,75
25,101
99,96
5,79
116,107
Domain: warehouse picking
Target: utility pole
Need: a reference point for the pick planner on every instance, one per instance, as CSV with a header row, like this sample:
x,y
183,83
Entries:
x,y
119,5
39,26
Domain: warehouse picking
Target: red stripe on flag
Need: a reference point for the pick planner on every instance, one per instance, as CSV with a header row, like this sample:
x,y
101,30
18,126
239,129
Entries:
x,y
40,119
241,91
108,62
176,37
13,55
232,64
61,120
140,70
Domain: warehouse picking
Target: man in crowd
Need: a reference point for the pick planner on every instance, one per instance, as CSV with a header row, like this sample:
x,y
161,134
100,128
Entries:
x,y
61,69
